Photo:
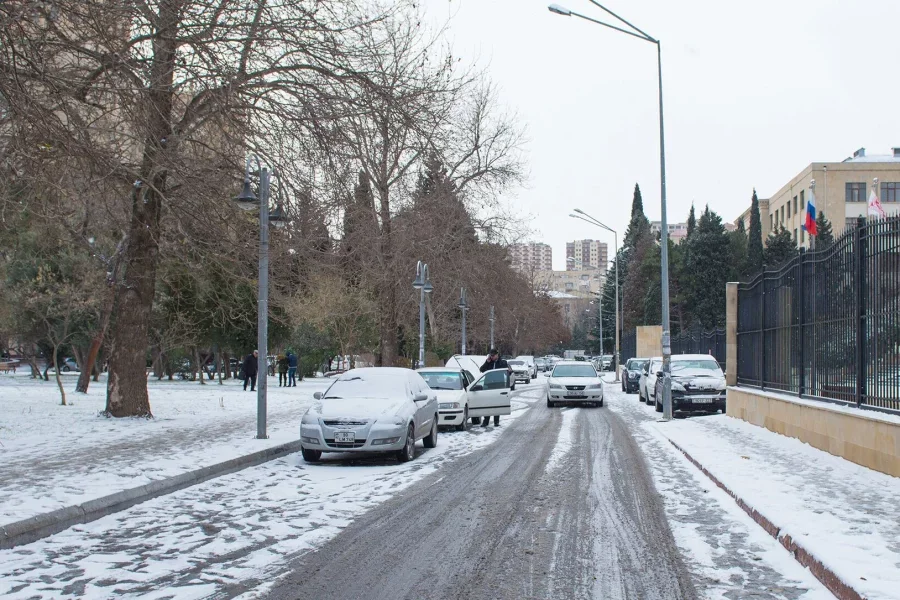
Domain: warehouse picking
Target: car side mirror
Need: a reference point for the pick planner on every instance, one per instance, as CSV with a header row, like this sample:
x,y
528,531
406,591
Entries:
x,y
420,398
317,395
659,373
476,388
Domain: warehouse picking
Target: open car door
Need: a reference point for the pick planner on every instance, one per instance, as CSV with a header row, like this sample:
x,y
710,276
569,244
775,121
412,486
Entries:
x,y
490,394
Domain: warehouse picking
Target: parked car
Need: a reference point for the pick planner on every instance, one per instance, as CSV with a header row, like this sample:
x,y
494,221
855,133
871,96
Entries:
x,y
520,370
574,381
450,385
470,362
698,385
541,364
371,409
491,395
647,382
68,364
529,360
631,374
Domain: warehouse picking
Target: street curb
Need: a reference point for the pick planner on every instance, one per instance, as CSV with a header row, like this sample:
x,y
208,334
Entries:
x,y
46,524
826,576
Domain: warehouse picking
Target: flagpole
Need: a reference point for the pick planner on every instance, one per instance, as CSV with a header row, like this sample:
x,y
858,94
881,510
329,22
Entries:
x,y
812,238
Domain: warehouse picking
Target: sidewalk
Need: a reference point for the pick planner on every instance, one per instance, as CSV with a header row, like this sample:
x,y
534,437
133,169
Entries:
x,y
845,516
54,456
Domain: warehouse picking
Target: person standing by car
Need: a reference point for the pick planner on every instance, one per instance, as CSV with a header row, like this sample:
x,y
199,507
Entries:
x,y
282,370
493,362
292,368
251,368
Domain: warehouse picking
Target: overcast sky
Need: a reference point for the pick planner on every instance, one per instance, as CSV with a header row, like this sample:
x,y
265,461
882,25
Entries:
x,y
754,92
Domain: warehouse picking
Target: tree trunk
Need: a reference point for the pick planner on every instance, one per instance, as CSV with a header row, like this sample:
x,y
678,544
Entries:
x,y
200,368
91,360
126,389
389,348
62,391
226,364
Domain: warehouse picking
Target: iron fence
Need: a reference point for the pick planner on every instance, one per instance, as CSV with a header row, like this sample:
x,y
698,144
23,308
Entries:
x,y
826,324
628,346
701,342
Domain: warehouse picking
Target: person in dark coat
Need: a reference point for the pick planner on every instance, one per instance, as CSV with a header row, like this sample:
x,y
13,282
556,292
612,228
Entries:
x,y
292,368
282,370
493,362
251,368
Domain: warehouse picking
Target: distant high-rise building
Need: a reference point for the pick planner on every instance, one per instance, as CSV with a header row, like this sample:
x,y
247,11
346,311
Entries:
x,y
529,258
585,255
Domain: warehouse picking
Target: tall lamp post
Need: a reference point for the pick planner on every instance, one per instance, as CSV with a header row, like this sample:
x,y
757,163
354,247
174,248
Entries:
x,y
423,284
664,236
464,307
619,307
247,200
492,326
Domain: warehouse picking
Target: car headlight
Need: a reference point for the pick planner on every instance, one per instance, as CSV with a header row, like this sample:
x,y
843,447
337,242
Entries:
x,y
309,440
555,386
448,405
677,386
596,386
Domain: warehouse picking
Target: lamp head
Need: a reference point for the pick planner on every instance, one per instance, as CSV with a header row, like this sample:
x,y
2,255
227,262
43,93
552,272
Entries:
x,y
247,200
560,10
579,211
419,281
277,218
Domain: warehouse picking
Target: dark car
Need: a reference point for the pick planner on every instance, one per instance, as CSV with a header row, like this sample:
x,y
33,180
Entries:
x,y
631,374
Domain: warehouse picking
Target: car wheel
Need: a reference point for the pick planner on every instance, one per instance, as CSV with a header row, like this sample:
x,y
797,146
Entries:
x,y
550,403
430,440
409,448
311,455
476,420
496,420
465,422
528,380
601,403
657,404
66,369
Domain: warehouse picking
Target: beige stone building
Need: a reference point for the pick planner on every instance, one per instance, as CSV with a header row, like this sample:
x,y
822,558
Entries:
x,y
583,283
528,258
586,254
841,190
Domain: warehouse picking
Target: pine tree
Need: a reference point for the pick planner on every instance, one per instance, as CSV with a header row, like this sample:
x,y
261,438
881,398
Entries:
x,y
638,224
825,236
692,221
779,247
755,254
708,267
741,228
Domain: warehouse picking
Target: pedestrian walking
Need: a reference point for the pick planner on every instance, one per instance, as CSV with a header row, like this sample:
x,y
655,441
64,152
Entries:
x,y
493,362
292,368
282,370
251,368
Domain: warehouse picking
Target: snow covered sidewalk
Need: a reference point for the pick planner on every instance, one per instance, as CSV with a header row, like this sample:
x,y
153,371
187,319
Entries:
x,y
54,456
844,515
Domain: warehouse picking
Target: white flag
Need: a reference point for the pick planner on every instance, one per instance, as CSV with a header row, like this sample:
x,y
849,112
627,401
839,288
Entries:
x,y
875,209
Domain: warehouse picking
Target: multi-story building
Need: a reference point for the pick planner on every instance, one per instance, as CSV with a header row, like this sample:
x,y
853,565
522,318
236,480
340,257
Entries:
x,y
582,283
677,231
841,191
530,258
583,255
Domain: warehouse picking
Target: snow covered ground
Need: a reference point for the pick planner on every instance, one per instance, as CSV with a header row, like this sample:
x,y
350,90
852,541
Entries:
x,y
229,536
53,456
728,554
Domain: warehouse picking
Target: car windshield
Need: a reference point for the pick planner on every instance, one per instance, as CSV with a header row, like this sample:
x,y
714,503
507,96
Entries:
x,y
515,363
367,385
697,367
636,365
574,371
445,380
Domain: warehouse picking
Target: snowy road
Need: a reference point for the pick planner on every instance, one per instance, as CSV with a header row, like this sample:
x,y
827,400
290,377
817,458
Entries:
x,y
562,507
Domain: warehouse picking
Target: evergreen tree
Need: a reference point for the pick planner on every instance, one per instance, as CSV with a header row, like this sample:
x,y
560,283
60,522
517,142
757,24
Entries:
x,y
692,221
638,225
825,237
737,241
755,254
707,268
779,247
741,228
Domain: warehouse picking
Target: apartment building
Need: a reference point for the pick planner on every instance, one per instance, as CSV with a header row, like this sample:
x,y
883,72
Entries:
x,y
584,255
677,231
529,258
581,283
841,190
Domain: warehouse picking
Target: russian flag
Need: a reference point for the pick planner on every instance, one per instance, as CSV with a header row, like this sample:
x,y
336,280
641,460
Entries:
x,y
810,224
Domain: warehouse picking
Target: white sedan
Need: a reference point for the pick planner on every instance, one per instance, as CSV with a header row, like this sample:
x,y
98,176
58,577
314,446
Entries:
x,y
375,409
574,381
450,385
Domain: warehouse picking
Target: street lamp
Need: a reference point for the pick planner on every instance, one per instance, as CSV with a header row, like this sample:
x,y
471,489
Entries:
x,y
664,238
464,307
423,284
248,201
492,326
589,219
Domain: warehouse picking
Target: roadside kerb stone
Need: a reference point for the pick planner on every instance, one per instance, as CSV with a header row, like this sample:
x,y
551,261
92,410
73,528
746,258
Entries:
x,y
829,578
46,524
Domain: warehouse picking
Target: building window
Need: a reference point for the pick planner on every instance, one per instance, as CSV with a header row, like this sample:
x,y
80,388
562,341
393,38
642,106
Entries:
x,y
890,192
802,236
795,235
789,207
802,201
855,192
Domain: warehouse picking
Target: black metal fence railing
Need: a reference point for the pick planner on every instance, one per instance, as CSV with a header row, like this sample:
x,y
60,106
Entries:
x,y
628,346
701,342
826,324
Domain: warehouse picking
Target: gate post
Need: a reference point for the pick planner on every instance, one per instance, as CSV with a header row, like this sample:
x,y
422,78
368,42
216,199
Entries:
x,y
801,317
731,346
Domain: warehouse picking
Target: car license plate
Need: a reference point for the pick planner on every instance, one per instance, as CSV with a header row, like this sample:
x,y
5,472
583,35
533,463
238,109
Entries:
x,y
703,400
345,436
577,394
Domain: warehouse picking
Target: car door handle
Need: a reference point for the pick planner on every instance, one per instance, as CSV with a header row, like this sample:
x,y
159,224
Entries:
x,y
503,393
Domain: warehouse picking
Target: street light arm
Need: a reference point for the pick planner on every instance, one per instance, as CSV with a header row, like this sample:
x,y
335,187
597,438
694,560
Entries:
x,y
648,37
644,37
594,221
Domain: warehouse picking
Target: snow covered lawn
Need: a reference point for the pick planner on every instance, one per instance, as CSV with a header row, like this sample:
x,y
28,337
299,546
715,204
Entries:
x,y
844,514
53,456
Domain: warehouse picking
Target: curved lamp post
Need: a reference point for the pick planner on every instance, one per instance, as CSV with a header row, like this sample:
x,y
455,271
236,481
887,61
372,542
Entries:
x,y
423,284
464,308
664,250
248,201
